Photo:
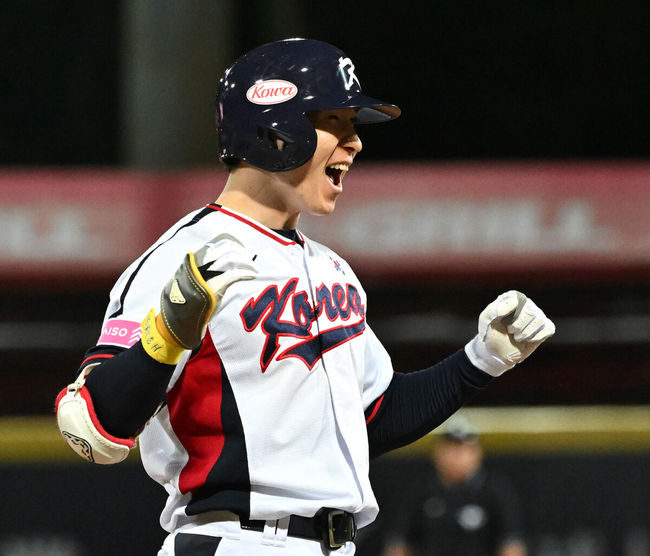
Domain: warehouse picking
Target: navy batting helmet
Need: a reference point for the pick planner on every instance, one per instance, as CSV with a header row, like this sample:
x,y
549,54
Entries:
x,y
264,97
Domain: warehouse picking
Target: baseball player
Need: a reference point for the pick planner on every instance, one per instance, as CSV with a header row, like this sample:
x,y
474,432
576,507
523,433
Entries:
x,y
237,350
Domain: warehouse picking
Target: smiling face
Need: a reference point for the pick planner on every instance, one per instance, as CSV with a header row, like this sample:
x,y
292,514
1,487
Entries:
x,y
315,186
277,199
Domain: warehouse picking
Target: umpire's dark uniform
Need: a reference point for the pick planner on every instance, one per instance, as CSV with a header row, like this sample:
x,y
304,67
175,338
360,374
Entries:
x,y
473,518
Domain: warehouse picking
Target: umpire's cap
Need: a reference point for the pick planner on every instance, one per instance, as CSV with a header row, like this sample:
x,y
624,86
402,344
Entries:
x,y
264,97
460,430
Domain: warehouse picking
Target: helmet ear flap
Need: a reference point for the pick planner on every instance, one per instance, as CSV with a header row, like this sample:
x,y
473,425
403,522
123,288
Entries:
x,y
278,150
276,138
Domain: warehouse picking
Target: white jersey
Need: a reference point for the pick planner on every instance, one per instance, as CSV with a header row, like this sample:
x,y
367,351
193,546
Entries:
x,y
266,418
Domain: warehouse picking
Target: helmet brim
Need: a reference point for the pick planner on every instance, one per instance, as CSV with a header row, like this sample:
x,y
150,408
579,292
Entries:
x,y
372,110
369,110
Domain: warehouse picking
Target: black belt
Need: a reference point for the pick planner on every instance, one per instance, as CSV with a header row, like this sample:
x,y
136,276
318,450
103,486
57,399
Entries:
x,y
332,527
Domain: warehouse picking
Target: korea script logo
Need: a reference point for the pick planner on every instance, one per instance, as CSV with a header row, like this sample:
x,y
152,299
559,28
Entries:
x,y
289,314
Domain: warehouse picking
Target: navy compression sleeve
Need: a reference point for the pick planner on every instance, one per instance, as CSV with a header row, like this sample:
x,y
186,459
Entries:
x,y
126,390
416,403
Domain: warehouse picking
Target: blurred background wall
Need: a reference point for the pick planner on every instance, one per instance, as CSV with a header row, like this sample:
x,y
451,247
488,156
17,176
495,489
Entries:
x,y
521,161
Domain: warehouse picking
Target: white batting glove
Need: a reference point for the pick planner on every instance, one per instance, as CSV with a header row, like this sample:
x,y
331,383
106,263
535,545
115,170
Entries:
x,y
509,330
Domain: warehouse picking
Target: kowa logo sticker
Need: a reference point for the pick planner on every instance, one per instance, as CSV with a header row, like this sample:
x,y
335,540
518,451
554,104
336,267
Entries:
x,y
273,91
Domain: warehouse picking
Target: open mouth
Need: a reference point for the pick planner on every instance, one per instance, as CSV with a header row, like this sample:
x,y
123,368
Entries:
x,y
335,173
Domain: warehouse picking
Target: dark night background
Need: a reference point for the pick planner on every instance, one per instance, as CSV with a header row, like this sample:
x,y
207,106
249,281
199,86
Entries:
x,y
502,80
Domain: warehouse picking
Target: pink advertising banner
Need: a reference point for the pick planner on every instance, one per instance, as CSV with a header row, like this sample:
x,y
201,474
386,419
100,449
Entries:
x,y
451,218
398,218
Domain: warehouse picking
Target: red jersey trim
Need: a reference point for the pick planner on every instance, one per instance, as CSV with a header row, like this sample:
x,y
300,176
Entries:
x,y
374,411
200,431
266,232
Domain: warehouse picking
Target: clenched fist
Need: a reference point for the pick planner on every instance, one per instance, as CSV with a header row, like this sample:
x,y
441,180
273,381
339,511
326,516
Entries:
x,y
509,330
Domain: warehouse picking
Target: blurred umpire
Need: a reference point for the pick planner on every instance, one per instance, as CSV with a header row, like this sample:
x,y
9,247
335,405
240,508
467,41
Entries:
x,y
459,508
